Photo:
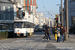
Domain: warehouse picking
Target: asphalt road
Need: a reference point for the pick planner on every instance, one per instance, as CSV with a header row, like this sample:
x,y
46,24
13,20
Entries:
x,y
35,42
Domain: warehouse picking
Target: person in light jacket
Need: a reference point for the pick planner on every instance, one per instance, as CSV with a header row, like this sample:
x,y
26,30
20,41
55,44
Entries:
x,y
58,34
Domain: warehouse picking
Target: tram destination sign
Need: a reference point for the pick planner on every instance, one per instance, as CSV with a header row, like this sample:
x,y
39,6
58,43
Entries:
x,y
6,21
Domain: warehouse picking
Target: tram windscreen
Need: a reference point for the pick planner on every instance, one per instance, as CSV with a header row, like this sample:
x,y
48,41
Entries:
x,y
23,25
18,24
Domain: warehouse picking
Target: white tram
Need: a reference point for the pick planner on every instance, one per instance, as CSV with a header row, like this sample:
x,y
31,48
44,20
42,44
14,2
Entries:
x,y
23,27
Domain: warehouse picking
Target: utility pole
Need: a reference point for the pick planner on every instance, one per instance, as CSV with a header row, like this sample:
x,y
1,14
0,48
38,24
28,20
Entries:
x,y
62,11
67,26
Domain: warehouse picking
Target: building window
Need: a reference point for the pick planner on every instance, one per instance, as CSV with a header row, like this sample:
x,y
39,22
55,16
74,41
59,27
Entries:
x,y
0,16
41,21
32,8
3,17
9,8
72,0
32,11
29,1
35,2
15,0
26,1
32,1
3,8
26,7
0,8
29,7
9,17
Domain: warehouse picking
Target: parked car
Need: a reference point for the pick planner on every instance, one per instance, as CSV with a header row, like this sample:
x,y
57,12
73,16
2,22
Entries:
x,y
39,30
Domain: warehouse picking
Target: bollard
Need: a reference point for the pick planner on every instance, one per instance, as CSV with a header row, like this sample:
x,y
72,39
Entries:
x,y
55,36
30,31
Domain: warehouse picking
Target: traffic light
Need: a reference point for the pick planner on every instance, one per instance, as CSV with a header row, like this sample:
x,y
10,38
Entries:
x,y
56,20
23,14
56,16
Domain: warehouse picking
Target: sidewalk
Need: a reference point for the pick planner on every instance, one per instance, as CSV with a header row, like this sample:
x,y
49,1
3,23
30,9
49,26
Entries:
x,y
71,39
67,45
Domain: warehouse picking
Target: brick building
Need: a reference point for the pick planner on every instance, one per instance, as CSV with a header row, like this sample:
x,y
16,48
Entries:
x,y
30,5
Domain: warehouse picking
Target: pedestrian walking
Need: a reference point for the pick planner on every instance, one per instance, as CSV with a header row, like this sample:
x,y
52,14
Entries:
x,y
53,30
58,34
45,37
62,32
48,33
45,31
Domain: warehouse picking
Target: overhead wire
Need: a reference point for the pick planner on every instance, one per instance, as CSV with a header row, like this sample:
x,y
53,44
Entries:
x,y
45,8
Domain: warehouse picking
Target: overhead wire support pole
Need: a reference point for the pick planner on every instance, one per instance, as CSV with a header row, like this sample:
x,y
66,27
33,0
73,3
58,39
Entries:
x,y
67,25
62,12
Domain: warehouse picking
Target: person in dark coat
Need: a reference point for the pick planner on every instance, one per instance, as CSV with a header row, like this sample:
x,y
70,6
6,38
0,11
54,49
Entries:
x,y
53,30
62,32
45,30
48,33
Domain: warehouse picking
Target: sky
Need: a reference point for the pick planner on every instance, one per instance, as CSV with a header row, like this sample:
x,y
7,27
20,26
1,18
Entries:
x,y
50,6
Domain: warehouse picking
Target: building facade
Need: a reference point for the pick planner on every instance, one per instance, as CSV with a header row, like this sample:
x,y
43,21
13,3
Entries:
x,y
6,14
50,22
30,5
18,8
71,12
41,19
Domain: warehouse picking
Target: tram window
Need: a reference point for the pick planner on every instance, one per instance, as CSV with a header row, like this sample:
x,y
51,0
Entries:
x,y
18,24
28,25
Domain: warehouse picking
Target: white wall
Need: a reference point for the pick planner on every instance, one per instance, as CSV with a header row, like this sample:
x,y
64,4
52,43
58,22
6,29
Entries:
x,y
50,22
